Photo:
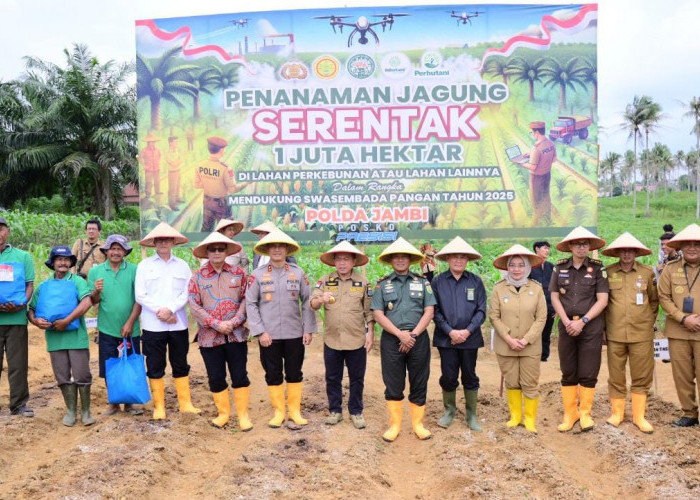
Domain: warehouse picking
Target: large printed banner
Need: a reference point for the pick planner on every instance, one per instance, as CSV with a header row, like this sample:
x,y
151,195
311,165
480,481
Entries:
x,y
367,123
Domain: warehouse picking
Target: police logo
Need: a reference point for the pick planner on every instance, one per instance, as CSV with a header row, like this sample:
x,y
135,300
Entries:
x,y
294,70
361,66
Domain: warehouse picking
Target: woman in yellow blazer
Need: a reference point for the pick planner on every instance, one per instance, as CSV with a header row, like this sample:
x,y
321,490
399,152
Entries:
x,y
518,312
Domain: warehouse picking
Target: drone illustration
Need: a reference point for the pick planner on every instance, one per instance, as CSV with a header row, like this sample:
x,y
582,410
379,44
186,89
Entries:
x,y
465,17
363,25
240,23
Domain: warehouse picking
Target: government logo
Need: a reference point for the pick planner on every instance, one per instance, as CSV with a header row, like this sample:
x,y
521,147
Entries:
x,y
361,66
326,67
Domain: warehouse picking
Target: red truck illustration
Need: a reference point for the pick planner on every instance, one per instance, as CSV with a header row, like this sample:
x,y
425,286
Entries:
x,y
566,127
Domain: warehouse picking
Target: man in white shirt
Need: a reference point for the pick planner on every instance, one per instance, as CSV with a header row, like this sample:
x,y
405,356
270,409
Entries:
x,y
161,289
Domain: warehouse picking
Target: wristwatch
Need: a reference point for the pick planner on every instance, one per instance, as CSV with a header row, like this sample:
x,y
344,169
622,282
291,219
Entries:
x,y
585,320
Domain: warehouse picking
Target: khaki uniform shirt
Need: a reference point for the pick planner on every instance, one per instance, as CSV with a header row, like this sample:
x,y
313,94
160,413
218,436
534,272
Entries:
x,y
543,155
173,159
215,178
80,251
626,320
520,314
277,302
345,320
673,287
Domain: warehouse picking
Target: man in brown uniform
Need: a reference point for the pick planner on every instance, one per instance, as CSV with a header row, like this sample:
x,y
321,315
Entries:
x,y
679,295
543,154
629,324
348,328
217,181
150,159
174,159
88,250
579,289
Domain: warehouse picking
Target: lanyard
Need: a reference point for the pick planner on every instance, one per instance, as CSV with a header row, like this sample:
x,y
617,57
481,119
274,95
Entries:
x,y
690,287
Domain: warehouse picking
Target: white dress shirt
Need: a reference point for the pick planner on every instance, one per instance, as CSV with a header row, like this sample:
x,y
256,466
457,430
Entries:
x,y
162,284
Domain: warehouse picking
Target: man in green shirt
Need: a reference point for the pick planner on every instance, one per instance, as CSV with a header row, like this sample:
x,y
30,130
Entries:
x,y
112,287
69,348
15,266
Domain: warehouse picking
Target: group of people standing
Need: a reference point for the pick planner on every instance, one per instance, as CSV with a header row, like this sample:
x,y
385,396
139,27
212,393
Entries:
x,y
144,307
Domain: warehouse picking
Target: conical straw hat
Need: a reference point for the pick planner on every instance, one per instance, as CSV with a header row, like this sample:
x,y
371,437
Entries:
x,y
224,223
150,137
265,227
625,240
344,247
580,233
458,245
163,230
501,261
277,236
690,233
200,251
401,246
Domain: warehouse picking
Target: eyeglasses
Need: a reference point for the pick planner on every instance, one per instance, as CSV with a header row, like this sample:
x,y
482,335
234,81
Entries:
x,y
216,249
162,240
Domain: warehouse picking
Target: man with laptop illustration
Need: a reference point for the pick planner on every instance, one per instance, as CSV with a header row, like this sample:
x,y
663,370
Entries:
x,y
539,163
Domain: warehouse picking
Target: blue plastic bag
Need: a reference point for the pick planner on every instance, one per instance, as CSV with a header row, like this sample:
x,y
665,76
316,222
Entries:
x,y
58,298
126,379
14,289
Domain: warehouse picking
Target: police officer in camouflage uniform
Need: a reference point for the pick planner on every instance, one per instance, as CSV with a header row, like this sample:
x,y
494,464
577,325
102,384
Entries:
x,y
579,289
279,314
403,305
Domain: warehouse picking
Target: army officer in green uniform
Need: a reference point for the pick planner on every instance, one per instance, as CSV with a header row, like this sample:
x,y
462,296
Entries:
x,y
403,304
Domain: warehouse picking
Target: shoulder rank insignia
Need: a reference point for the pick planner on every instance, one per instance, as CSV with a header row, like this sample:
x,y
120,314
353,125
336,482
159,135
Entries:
x,y
596,262
561,262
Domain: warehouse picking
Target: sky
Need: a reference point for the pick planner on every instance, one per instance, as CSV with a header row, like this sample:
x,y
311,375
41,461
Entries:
x,y
644,46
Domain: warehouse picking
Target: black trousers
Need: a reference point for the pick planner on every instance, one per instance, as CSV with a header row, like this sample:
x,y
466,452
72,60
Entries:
x,y
155,347
356,361
282,360
547,335
216,359
395,364
579,357
14,343
451,362
108,347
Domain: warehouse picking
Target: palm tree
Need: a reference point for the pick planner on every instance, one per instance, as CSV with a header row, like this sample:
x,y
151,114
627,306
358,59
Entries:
x,y
163,79
76,127
662,160
694,112
526,71
652,115
590,75
633,119
565,76
224,77
678,161
498,67
202,80
609,165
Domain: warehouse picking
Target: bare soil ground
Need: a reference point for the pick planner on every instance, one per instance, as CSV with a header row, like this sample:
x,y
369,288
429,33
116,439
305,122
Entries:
x,y
185,457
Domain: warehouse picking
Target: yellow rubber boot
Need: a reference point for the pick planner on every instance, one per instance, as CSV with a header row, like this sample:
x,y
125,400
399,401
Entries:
x,y
223,405
586,404
569,396
182,387
294,403
617,414
639,407
241,396
395,415
417,416
531,414
158,394
515,405
277,400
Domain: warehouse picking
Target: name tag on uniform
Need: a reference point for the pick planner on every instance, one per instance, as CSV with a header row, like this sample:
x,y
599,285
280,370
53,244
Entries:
x,y
7,272
416,287
293,285
470,294
640,299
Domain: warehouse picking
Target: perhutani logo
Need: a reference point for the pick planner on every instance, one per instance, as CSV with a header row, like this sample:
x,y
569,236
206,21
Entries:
x,y
294,70
361,66
431,63
395,65
326,67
